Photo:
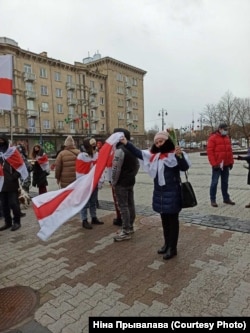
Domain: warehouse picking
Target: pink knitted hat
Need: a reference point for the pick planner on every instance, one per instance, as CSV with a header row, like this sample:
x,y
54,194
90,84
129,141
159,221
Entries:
x,y
161,135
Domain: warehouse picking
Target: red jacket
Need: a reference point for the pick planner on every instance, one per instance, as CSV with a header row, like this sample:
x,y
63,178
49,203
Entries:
x,y
219,150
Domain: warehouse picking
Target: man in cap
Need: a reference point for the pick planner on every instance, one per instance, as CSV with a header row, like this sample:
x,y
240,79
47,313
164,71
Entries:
x,y
220,157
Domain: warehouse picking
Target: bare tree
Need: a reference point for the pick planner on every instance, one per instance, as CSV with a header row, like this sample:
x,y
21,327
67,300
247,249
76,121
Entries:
x,y
227,111
210,116
242,106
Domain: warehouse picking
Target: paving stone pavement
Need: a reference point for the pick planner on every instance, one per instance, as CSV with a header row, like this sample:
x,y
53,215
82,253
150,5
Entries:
x,y
80,273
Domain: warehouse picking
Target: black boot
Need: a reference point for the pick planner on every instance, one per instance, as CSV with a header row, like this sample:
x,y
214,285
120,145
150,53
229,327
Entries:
x,y
170,253
6,226
117,221
96,221
163,249
172,239
86,225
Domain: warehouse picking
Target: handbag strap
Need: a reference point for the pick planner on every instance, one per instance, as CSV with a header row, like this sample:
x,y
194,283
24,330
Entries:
x,y
186,176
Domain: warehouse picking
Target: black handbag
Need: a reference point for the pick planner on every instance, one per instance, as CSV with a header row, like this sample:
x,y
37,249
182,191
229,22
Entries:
x,y
188,196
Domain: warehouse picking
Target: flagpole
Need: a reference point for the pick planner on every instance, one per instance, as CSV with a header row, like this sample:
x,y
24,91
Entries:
x,y
11,130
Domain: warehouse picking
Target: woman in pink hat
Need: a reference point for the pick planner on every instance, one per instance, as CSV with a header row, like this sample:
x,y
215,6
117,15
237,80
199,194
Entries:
x,y
163,162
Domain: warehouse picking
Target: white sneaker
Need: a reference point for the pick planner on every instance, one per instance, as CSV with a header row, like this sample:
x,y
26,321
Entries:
x,y
122,236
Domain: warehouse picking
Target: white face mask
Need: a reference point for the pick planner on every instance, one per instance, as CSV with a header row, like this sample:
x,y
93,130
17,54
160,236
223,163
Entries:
x,y
223,132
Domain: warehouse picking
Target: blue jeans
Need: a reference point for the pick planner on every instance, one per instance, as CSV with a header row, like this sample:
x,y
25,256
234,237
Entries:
x,y
91,204
216,174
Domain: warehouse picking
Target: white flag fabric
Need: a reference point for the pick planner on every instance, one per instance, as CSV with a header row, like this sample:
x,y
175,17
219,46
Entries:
x,y
54,208
6,77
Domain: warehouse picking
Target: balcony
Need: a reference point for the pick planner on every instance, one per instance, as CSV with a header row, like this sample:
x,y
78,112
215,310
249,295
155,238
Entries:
x,y
92,91
29,77
128,109
128,97
127,84
31,130
32,114
70,86
72,101
94,119
93,105
30,94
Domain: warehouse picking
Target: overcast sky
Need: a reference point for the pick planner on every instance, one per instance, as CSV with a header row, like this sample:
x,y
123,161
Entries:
x,y
194,51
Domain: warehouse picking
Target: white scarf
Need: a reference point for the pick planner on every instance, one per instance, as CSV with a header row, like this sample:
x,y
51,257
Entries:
x,y
156,164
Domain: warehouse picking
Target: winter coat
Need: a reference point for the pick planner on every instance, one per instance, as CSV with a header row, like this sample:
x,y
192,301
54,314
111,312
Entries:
x,y
124,167
166,198
11,176
219,150
65,166
39,175
247,159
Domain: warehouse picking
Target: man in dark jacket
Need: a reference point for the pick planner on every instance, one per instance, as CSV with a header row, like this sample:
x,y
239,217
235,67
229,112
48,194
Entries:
x,y
124,169
10,161
220,156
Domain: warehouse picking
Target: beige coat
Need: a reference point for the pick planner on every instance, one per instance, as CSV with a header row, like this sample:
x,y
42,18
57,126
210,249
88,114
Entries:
x,y
65,166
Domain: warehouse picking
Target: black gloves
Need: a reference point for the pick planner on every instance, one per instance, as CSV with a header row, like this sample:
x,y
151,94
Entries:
x,y
230,166
240,158
216,167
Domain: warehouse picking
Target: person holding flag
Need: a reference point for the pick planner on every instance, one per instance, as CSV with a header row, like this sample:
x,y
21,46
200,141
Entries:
x,y
12,167
40,168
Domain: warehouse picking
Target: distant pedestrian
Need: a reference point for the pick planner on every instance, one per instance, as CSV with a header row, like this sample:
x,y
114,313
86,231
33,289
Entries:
x,y
12,167
40,168
86,159
123,177
220,156
163,162
247,159
65,163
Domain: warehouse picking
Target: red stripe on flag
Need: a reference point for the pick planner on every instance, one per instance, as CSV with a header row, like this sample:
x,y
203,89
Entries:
x,y
5,86
15,160
101,162
48,208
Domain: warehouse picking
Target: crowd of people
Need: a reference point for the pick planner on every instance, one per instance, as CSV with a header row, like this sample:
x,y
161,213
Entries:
x,y
163,162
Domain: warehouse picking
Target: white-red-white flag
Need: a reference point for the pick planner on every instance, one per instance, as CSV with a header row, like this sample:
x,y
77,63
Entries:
x,y
54,208
6,77
14,158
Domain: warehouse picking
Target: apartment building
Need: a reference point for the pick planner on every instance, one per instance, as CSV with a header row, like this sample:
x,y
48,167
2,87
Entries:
x,y
53,99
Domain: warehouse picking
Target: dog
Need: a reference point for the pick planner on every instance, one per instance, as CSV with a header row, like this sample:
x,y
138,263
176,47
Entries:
x,y
24,198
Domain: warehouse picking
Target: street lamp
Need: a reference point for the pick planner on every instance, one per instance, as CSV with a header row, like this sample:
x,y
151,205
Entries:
x,y
162,113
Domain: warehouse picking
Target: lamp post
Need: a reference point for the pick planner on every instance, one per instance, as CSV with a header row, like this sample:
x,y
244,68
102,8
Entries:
x,y
40,127
162,113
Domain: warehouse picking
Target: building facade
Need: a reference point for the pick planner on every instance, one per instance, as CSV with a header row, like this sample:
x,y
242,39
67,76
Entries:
x,y
53,99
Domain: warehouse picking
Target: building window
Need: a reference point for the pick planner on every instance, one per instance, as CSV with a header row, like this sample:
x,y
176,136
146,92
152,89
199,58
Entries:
x,y
119,77
27,68
102,100
60,124
43,73
92,84
46,124
120,90
29,86
44,90
59,108
102,114
134,82
58,92
102,127
101,86
45,107
57,76
30,104
69,79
